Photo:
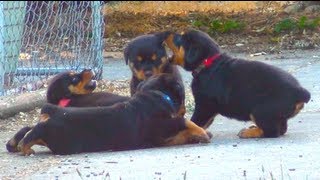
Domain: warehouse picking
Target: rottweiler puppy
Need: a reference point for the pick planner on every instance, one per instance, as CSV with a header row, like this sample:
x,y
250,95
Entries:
x,y
71,89
76,90
147,56
147,119
236,88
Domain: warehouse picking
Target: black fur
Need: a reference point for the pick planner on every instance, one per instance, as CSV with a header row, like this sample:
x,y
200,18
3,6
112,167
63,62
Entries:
x,y
235,87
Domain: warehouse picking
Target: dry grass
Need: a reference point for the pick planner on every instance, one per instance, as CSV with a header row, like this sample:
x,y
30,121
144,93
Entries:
x,y
181,7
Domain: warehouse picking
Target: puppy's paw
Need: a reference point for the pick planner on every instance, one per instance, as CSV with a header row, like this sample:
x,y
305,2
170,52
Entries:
x,y
209,134
199,139
251,132
24,150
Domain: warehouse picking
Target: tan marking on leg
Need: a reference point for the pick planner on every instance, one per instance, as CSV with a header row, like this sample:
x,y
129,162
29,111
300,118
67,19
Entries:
x,y
13,144
44,117
252,131
299,107
26,149
193,134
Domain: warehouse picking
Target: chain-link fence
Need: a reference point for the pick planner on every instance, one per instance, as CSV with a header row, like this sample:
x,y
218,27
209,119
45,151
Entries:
x,y
42,38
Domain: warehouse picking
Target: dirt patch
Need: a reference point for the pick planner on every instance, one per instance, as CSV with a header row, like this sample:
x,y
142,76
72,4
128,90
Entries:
x,y
125,21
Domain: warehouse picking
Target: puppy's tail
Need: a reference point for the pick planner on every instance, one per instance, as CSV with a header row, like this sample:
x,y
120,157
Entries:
x,y
49,109
303,95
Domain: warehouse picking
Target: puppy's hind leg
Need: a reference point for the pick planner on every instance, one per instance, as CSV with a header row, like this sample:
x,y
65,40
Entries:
x,y
270,118
33,137
13,142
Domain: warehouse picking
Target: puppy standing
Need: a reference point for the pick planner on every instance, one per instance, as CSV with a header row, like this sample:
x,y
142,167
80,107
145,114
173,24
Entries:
x,y
236,88
147,56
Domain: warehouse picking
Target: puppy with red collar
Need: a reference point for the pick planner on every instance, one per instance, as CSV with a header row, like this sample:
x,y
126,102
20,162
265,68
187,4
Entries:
x,y
236,88
71,89
148,119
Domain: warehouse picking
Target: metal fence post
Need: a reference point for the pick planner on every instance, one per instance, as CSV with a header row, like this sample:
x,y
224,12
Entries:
x,y
1,50
11,24
97,36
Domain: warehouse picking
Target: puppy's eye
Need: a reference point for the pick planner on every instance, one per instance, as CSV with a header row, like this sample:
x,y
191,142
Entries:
x,y
177,40
75,80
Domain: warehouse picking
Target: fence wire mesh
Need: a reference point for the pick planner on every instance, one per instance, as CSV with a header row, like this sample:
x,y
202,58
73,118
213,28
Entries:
x,y
41,38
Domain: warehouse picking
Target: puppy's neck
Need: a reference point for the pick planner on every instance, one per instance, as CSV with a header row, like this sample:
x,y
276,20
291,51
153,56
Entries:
x,y
206,63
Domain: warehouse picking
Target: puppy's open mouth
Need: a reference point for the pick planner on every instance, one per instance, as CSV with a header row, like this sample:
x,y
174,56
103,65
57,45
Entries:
x,y
91,85
89,75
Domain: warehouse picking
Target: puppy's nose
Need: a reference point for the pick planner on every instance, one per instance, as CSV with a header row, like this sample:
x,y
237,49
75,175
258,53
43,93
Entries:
x,y
148,74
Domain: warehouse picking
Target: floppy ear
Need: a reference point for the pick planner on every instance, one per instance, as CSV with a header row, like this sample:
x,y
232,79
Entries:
x,y
162,36
125,54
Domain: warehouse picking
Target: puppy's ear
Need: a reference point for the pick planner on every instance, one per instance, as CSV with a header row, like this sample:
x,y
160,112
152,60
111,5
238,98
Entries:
x,y
162,36
125,54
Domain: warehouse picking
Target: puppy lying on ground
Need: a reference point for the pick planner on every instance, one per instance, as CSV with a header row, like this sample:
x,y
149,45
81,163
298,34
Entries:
x,y
147,119
236,88
147,56
75,90
71,89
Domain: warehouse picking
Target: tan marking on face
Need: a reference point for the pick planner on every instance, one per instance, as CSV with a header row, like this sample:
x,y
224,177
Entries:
x,y
139,74
252,131
164,60
156,70
192,134
80,87
139,58
44,117
154,57
178,52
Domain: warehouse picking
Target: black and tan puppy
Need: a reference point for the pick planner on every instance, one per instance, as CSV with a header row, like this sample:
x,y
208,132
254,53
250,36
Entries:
x,y
236,88
147,119
76,90
71,89
146,56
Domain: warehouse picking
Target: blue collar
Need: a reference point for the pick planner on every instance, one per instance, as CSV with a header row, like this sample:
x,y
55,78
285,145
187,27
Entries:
x,y
165,97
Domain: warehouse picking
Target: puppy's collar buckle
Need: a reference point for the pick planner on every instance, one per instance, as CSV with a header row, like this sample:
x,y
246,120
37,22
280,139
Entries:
x,y
205,64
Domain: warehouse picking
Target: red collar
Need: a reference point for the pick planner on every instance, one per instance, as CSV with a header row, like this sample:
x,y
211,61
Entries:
x,y
64,102
205,64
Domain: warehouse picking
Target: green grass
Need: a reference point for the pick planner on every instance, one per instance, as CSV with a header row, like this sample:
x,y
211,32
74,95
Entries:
x,y
219,25
303,23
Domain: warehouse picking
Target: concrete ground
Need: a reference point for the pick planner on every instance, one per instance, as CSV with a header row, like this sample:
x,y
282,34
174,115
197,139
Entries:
x,y
293,156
